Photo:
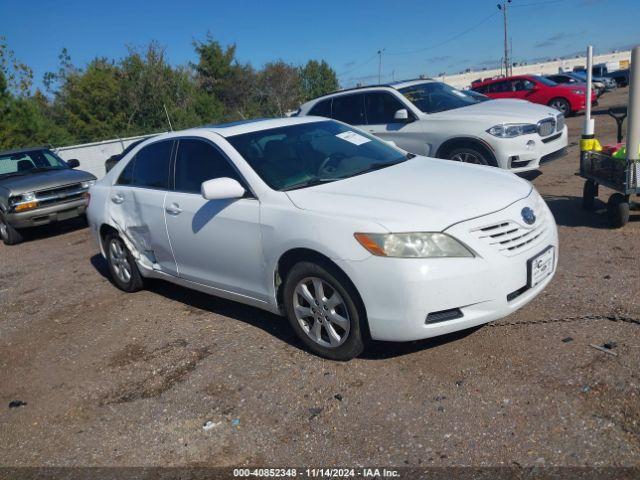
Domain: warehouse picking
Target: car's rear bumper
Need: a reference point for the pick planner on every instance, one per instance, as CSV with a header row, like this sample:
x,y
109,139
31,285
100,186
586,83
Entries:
x,y
49,214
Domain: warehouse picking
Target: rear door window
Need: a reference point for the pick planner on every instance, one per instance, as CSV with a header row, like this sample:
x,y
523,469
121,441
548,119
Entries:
x,y
349,109
151,166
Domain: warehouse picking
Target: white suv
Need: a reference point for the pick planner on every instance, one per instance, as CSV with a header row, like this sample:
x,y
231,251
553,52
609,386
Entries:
x,y
433,119
347,235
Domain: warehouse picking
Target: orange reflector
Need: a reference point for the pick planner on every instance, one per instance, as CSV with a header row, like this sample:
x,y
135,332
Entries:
x,y
367,242
26,206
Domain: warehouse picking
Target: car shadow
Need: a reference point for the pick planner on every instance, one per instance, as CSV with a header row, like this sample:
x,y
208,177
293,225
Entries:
x,y
53,229
272,324
568,212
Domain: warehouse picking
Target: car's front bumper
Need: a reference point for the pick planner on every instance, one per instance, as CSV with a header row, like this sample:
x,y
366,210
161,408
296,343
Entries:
x,y
399,294
44,215
516,155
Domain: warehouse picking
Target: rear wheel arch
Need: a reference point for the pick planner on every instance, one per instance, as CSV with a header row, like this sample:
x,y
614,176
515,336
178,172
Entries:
x,y
466,142
291,257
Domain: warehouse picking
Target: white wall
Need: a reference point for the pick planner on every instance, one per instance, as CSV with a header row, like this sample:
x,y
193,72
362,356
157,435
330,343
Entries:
x,y
93,155
463,80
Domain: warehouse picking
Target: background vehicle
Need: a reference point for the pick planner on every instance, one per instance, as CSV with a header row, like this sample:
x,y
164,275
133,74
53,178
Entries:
x,y
604,83
113,159
572,79
311,218
431,118
536,89
36,188
621,77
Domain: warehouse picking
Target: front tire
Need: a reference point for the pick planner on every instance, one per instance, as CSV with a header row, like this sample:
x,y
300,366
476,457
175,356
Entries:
x,y
470,155
322,308
122,266
9,234
618,210
561,104
589,194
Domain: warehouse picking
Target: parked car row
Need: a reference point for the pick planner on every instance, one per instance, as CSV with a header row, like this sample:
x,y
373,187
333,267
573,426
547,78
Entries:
x,y
348,236
336,217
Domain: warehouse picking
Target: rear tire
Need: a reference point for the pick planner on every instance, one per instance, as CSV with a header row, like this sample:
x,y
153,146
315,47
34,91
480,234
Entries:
x,y
323,309
561,104
122,266
9,234
618,210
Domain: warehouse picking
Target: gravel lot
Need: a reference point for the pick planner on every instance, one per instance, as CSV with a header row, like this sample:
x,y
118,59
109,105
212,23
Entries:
x,y
117,379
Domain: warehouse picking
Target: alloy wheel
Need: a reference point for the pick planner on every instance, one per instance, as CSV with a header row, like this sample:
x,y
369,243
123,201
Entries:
x,y
119,260
321,312
559,105
468,157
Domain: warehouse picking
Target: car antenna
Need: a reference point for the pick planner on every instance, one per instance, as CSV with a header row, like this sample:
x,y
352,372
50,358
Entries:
x,y
168,119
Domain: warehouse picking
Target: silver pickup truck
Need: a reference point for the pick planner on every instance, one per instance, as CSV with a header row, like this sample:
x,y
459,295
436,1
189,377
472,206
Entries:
x,y
37,188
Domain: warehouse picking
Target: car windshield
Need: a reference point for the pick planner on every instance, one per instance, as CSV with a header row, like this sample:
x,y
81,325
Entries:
x,y
435,97
545,81
308,154
24,163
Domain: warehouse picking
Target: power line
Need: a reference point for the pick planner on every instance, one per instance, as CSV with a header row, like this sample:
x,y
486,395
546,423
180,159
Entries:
x,y
455,37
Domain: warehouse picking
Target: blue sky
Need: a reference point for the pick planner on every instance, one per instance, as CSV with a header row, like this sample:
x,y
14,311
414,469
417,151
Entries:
x,y
425,36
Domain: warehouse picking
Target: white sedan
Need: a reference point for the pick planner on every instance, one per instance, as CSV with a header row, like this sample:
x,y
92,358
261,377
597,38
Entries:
x,y
348,236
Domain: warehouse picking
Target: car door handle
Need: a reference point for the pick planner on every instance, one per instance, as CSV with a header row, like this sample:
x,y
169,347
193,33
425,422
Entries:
x,y
173,209
117,198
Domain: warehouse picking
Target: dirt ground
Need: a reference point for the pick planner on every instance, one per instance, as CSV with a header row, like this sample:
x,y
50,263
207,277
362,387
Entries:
x,y
129,379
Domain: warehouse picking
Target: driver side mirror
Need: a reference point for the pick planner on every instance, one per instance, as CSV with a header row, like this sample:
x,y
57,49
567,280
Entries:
x,y
222,189
73,163
402,116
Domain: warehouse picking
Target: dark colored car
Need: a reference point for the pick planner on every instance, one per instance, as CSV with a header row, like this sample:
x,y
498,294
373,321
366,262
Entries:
x,y
621,77
534,88
113,159
37,188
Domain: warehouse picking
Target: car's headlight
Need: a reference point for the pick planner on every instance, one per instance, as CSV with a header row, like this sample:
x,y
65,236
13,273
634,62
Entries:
x,y
578,92
413,245
26,201
87,184
510,130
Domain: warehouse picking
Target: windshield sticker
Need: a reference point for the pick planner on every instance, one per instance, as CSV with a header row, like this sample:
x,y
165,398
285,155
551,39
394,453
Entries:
x,y
353,137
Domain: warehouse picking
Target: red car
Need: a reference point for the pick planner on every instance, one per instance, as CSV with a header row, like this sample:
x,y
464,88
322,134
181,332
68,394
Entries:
x,y
566,98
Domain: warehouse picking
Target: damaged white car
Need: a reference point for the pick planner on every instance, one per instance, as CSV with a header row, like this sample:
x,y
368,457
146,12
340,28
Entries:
x,y
348,236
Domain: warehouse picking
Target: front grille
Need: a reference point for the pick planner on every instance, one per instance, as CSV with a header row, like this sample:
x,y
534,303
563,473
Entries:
x,y
66,193
510,237
546,127
552,138
560,123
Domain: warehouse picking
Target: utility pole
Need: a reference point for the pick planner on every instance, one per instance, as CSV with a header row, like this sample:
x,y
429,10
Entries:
x,y
504,6
380,65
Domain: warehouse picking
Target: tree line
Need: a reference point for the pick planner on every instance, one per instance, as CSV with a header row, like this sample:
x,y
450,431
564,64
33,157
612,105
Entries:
x,y
121,98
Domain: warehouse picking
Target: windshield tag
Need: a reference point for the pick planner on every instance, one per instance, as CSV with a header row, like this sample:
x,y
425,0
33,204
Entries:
x,y
353,137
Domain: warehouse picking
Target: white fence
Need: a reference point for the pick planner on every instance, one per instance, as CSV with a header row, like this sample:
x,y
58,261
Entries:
x,y
463,80
93,155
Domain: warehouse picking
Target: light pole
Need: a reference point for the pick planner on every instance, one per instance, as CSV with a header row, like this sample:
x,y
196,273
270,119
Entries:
x,y
504,6
380,65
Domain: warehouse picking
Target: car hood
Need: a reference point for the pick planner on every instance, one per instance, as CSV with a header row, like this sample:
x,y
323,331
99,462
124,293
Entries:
x,y
421,194
43,180
500,111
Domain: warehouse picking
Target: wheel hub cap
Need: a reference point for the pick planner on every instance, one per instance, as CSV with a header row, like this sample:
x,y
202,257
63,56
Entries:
x,y
321,312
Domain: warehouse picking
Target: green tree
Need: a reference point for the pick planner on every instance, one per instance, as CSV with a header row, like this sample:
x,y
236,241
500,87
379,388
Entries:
x,y
279,88
317,79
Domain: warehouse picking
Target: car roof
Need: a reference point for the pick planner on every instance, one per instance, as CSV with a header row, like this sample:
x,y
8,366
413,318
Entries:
x,y
364,88
24,150
247,126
